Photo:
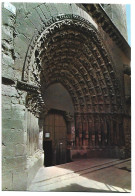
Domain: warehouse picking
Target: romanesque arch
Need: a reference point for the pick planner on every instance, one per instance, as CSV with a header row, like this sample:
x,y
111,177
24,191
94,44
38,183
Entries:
x,y
69,50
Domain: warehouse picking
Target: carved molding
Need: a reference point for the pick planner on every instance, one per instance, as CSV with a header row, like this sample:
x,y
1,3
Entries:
x,y
27,87
34,101
127,69
98,13
69,50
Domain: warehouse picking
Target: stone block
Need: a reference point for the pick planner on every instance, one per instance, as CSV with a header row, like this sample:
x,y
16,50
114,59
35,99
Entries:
x,y
8,18
31,28
20,181
59,8
31,6
8,150
19,6
18,65
67,9
23,29
53,9
7,33
75,8
62,8
7,72
14,163
6,100
18,74
7,181
15,100
20,149
6,113
35,19
40,12
21,44
7,59
9,91
18,111
12,136
45,9
13,124
7,46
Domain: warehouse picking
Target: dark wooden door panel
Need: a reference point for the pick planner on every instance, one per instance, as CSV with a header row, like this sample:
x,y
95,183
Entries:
x,y
55,124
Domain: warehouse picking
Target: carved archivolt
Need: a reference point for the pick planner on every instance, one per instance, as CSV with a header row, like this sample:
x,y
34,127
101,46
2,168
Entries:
x,y
69,50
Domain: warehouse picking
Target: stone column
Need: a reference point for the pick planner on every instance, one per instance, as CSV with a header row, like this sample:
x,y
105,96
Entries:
x,y
90,129
70,130
85,131
77,129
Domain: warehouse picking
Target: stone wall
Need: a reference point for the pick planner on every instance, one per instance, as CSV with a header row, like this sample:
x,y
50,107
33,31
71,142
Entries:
x,y
117,14
21,156
13,138
117,56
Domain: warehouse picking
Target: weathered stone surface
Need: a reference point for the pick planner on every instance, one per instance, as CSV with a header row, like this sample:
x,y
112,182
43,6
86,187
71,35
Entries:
x,y
8,55
21,44
8,17
13,124
7,113
23,30
35,20
117,13
7,33
7,181
13,136
7,59
9,149
9,91
18,112
20,149
20,181
14,163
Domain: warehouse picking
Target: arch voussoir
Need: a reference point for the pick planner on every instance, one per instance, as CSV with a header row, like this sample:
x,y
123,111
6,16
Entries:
x,y
71,52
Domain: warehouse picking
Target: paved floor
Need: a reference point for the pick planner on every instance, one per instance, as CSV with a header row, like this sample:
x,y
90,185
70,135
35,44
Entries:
x,y
87,175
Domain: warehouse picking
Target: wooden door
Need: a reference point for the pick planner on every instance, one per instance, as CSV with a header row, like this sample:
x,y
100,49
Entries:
x,y
55,124
47,146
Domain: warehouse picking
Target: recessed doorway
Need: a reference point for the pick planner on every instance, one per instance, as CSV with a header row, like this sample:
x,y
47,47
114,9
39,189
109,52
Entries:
x,y
55,138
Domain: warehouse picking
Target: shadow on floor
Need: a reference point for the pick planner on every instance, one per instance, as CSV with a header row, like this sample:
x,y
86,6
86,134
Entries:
x,y
79,188
114,176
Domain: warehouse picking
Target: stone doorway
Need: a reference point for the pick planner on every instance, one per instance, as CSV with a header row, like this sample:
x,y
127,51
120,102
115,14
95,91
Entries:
x,y
55,138
72,54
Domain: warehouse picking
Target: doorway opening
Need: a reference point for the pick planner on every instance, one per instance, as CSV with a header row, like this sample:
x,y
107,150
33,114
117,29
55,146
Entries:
x,y
55,138
47,146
